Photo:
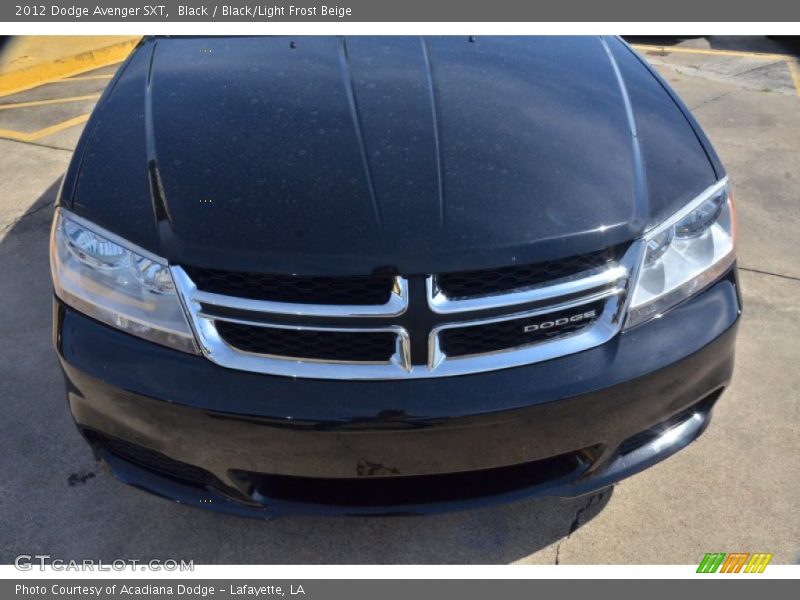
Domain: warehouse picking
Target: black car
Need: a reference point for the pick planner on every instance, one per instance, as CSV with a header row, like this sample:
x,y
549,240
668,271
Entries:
x,y
391,275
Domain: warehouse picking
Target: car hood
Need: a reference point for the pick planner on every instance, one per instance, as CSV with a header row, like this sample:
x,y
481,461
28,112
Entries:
x,y
347,155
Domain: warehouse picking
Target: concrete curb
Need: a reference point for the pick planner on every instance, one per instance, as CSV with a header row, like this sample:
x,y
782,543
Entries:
x,y
24,79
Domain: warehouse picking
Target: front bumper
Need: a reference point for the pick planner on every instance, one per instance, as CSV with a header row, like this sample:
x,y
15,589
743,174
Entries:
x,y
263,446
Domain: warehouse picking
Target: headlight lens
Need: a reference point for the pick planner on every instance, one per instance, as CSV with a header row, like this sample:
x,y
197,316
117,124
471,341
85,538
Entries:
x,y
114,282
684,254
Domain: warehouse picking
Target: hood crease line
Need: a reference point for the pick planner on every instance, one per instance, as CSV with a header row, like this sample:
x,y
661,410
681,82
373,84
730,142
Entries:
x,y
347,80
641,196
436,129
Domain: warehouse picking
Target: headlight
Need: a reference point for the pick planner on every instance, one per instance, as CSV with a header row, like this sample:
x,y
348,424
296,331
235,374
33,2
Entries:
x,y
684,254
113,281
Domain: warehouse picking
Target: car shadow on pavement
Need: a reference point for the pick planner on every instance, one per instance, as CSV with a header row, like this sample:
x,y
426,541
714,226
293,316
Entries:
x,y
57,501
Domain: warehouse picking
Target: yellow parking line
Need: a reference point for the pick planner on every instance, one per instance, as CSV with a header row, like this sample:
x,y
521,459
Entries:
x,y
794,71
791,61
24,79
21,136
740,53
51,101
36,79
82,78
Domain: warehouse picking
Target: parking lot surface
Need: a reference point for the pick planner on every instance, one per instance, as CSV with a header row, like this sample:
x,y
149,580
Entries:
x,y
737,489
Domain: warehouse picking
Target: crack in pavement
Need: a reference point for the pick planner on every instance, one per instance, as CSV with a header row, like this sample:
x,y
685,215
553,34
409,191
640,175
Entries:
x,y
741,85
759,67
710,100
47,146
576,522
7,228
769,273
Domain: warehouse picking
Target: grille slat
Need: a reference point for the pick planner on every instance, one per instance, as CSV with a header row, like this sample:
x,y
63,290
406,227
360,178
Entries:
x,y
355,290
369,346
503,335
467,284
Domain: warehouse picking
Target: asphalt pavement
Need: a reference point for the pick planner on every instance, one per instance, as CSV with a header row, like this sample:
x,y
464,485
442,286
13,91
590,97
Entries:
x,y
737,489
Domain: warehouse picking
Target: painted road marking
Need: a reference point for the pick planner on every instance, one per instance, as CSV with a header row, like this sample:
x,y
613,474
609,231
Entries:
x,y
64,79
51,101
32,136
791,61
24,79
740,53
794,71
83,78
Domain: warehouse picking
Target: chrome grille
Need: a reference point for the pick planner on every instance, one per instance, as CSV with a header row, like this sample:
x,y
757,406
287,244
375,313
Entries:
x,y
456,335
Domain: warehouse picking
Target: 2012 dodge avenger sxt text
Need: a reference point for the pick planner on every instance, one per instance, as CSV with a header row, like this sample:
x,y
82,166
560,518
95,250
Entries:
x,y
390,275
